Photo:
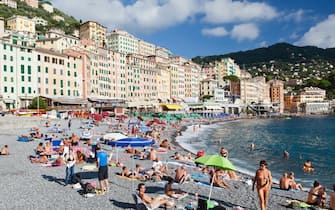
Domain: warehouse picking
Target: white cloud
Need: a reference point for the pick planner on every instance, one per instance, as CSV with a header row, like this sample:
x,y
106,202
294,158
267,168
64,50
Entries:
x,y
296,16
263,44
143,15
321,35
228,11
218,31
148,16
247,31
294,35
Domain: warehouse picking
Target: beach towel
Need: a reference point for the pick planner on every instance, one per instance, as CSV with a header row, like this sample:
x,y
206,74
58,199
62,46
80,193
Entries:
x,y
197,176
208,184
295,204
128,178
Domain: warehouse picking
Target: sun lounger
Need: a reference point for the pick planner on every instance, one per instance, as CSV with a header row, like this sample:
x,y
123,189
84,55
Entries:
x,y
24,139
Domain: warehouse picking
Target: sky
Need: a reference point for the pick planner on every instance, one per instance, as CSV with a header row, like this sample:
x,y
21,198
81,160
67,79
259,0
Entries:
x,y
192,28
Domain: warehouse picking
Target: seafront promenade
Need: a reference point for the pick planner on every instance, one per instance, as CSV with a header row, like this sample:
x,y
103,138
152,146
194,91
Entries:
x,y
31,186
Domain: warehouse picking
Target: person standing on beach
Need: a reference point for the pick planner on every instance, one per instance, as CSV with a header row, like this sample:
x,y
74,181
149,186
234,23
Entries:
x,y
332,199
263,181
102,161
69,124
70,161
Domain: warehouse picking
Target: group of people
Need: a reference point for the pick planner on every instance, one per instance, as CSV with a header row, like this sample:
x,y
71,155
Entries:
x,y
287,182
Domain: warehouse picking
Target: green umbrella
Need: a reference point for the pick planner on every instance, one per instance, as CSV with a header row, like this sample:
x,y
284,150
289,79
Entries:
x,y
215,161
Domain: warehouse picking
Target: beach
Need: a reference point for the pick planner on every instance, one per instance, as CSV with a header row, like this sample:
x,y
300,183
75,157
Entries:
x,y
31,186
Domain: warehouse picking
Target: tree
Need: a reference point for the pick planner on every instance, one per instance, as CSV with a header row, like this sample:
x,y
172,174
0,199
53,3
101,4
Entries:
x,y
38,102
206,97
233,78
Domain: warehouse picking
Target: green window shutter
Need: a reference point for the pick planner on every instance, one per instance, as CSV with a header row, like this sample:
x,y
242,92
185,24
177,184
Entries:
x,y
12,89
38,69
22,69
5,68
46,70
5,89
4,46
29,69
22,78
55,82
29,78
69,92
55,92
22,90
29,89
4,57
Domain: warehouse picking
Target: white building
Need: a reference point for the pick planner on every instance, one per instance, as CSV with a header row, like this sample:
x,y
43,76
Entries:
x,y
48,7
2,27
9,3
18,72
58,18
122,41
40,21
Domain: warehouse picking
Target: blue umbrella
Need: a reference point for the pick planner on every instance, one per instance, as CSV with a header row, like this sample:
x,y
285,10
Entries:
x,y
132,142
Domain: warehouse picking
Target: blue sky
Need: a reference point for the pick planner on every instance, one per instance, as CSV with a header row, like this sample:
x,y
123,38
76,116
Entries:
x,y
209,27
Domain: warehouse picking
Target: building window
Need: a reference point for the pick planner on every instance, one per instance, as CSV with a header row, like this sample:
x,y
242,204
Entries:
x,y
4,46
38,69
39,80
12,89
55,81
61,83
47,91
55,71
29,78
46,81
5,79
4,68
61,92
11,58
5,89
22,78
29,90
29,59
22,69
68,73
55,92
22,58
46,70
38,57
74,66
4,57
69,92
68,83
22,90
29,69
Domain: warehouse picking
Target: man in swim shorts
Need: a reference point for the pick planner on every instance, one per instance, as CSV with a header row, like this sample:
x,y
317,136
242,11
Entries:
x,y
102,161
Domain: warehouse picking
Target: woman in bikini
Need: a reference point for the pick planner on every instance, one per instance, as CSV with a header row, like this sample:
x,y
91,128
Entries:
x,y
263,181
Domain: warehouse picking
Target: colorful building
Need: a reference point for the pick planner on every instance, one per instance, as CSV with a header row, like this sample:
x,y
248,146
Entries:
x,y
94,31
21,24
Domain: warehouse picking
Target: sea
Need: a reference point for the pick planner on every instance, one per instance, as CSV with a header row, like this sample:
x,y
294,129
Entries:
x,y
305,138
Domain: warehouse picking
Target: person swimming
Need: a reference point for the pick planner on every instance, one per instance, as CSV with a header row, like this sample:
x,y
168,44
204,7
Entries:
x,y
308,166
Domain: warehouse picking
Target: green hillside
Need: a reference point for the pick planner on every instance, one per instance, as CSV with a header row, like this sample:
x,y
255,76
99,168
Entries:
x,y
68,25
313,66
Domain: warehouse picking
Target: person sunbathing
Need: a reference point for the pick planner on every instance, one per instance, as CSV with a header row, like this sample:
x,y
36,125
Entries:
x,y
153,201
126,172
37,134
40,159
315,194
181,175
74,140
293,184
4,150
47,149
80,157
173,193
166,144
218,179
284,182
159,166
39,149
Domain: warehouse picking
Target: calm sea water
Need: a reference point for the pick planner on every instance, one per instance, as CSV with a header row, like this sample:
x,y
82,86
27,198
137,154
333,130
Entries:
x,y
310,138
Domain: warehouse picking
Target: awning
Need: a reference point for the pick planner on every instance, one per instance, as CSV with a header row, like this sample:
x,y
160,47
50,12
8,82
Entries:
x,y
172,106
213,107
8,101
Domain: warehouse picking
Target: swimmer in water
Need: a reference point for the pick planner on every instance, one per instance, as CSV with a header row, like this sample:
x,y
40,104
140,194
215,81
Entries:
x,y
286,154
252,147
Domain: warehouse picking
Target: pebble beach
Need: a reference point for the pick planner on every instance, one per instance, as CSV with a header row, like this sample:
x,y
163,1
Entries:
x,y
31,186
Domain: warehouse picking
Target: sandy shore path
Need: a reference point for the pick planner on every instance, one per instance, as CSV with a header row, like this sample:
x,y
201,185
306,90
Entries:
x,y
30,186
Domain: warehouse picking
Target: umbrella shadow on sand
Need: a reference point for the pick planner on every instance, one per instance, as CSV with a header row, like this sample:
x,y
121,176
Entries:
x,y
122,205
53,179
88,174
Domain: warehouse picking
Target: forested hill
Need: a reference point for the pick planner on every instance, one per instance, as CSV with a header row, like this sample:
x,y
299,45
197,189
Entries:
x,y
282,52
312,66
68,25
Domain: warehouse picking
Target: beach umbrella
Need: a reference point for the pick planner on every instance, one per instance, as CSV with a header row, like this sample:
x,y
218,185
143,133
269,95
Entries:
x,y
216,161
114,136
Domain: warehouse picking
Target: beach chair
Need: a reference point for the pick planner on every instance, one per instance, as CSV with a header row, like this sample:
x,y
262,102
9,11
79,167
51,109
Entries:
x,y
140,204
